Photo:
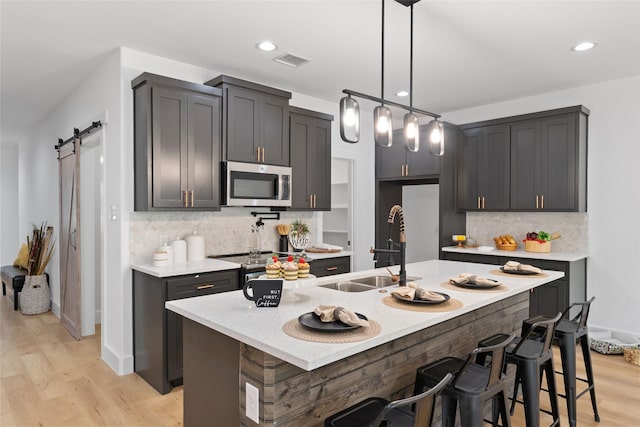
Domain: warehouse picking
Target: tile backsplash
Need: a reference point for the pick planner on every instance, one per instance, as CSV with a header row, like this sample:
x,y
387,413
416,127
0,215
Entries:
x,y
483,226
225,232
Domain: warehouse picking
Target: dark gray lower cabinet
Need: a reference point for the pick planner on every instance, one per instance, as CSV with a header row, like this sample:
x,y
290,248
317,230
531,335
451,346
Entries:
x,y
550,298
330,266
157,332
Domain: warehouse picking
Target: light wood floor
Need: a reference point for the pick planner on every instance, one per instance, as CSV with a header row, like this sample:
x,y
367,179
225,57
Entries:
x,y
49,379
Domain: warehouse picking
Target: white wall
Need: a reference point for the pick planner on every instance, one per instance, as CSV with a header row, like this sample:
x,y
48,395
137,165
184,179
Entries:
x,y
97,98
613,195
11,238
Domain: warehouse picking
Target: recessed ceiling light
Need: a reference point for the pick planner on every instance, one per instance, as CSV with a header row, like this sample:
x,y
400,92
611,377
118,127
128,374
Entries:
x,y
267,46
402,93
583,46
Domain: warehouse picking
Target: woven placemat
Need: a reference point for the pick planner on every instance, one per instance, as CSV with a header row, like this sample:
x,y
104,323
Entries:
x,y
451,286
294,329
519,276
452,304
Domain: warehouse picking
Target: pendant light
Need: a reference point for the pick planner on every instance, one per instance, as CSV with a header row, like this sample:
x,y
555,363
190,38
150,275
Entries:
x,y
349,120
435,134
382,120
411,125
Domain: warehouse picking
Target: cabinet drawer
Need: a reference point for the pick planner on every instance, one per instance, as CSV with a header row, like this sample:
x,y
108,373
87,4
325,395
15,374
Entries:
x,y
202,284
331,266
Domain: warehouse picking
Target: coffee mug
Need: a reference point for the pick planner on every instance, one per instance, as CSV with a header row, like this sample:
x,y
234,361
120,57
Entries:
x,y
264,292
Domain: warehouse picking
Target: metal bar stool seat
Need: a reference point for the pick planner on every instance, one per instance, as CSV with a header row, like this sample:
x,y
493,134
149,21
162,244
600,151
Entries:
x,y
568,333
375,411
472,385
532,357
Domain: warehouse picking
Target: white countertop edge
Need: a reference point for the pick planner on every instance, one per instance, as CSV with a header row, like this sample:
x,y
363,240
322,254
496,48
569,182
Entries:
x,y
192,267
307,355
328,255
551,256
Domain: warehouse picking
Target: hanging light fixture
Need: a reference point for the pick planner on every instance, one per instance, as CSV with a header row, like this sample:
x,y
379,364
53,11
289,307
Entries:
x,y
436,138
411,125
349,120
382,118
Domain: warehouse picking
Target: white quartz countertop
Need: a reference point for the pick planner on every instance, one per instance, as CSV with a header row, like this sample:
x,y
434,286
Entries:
x,y
233,315
191,267
492,251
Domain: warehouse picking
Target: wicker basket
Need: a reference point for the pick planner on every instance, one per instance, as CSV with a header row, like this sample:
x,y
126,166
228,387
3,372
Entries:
x,y
507,247
535,246
35,297
632,355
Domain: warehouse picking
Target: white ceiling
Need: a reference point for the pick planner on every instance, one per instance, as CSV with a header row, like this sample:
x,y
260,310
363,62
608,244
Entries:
x,y
466,53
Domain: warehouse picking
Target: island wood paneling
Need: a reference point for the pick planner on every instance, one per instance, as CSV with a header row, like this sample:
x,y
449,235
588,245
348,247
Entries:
x,y
290,396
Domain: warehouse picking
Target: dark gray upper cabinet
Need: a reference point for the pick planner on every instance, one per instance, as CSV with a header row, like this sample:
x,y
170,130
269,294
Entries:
x,y
396,162
545,158
545,167
176,144
483,165
310,134
255,121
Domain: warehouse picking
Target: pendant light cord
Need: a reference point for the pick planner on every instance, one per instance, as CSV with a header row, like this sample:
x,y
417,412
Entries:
x,y
411,61
382,58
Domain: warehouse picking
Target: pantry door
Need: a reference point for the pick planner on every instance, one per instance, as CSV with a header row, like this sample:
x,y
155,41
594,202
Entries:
x,y
70,302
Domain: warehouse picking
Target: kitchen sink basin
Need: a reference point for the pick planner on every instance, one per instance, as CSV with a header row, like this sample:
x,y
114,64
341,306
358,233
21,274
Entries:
x,y
348,286
381,281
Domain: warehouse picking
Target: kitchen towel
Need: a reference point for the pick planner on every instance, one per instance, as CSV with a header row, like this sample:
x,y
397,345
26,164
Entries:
x,y
516,266
331,313
413,291
469,278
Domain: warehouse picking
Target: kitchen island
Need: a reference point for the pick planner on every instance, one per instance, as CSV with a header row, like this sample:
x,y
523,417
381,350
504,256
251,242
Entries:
x,y
228,342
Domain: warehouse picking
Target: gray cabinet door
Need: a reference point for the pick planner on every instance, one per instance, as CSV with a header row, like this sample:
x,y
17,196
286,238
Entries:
x,y
274,129
484,169
559,164
391,161
204,151
243,124
169,154
310,162
544,158
423,163
525,165
468,169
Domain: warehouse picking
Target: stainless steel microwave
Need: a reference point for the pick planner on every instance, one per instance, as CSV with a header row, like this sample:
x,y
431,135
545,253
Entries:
x,y
255,184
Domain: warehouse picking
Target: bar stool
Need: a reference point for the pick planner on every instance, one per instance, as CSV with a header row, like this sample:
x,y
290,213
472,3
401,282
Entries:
x,y
566,335
472,385
375,411
531,357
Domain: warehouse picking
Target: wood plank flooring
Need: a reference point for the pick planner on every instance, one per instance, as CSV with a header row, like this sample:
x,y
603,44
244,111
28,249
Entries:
x,y
49,379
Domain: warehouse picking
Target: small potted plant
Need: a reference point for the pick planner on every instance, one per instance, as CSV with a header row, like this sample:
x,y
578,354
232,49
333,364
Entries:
x,y
299,235
35,297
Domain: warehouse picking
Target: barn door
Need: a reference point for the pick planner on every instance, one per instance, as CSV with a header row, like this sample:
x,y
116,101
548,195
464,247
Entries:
x,y
70,302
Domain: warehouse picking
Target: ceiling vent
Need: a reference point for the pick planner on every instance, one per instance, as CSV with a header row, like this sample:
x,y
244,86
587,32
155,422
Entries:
x,y
291,60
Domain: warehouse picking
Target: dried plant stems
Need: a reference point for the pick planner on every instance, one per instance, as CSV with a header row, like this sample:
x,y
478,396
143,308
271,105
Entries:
x,y
40,247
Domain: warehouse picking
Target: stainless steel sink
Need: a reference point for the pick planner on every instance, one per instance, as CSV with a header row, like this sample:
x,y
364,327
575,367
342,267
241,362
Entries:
x,y
348,286
380,281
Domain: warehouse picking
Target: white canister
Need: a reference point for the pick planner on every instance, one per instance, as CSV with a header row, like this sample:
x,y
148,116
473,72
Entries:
x,y
179,248
166,248
160,259
195,247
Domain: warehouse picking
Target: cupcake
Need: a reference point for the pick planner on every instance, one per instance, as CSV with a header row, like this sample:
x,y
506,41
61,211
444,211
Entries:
x,y
273,269
290,269
303,269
